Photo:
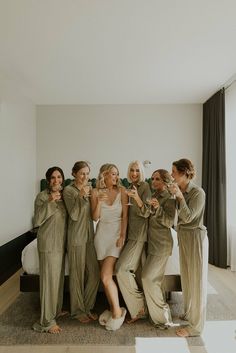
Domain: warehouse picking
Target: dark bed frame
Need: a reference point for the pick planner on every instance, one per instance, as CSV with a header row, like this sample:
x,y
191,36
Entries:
x,y
30,283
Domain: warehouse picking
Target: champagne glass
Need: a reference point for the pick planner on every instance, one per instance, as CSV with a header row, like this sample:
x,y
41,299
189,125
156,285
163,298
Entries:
x,y
89,186
169,185
148,200
103,193
129,197
57,189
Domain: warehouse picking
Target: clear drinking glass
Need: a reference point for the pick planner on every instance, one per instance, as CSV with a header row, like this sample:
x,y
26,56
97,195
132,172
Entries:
x,y
129,197
148,200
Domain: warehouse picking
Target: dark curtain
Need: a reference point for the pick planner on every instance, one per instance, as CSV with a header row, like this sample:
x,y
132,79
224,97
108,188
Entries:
x,y
214,177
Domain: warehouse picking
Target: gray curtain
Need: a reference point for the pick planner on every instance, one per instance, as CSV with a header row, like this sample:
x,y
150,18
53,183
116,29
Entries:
x,y
214,177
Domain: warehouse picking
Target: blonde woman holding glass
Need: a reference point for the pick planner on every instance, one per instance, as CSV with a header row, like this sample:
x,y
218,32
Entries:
x,y
109,208
130,259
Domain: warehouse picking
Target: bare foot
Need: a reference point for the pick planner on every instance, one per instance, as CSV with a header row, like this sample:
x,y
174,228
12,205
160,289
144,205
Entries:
x,y
141,315
62,313
93,315
54,329
84,319
182,332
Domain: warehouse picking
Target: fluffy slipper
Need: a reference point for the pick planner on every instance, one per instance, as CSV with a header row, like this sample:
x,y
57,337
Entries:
x,y
115,324
104,317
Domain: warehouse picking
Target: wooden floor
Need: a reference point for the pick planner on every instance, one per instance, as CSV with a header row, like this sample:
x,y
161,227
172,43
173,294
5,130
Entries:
x,y
10,290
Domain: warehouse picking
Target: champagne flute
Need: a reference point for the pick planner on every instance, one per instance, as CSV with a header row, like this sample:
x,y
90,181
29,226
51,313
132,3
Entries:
x,y
148,200
129,197
169,185
103,193
89,186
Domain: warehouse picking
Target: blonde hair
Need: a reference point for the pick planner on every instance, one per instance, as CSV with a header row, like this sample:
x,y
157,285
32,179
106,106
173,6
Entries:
x,y
141,171
104,170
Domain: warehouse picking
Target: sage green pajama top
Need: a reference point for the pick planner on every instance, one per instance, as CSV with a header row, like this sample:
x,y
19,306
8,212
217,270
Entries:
x,y
50,217
193,252
133,253
83,265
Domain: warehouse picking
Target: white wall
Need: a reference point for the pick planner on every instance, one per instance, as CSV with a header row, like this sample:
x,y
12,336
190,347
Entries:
x,y
118,134
230,113
18,161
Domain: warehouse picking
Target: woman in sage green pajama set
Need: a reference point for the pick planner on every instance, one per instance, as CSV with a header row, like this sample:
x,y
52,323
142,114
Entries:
x,y
193,247
50,216
160,243
131,255
83,265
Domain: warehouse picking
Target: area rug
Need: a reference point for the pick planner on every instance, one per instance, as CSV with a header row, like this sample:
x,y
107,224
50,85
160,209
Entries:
x,y
17,320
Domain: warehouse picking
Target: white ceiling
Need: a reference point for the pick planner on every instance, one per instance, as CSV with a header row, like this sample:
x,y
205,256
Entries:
x,y
118,51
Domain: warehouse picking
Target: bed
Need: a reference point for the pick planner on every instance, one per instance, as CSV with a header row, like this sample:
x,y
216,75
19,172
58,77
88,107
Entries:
x,y
29,280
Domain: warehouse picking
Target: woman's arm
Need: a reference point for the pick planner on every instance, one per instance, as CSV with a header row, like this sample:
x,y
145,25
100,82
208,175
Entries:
x,y
124,218
44,208
95,205
74,202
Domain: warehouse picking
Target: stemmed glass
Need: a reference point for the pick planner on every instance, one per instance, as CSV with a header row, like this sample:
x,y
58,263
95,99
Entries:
x,y
169,185
89,185
58,189
129,197
148,200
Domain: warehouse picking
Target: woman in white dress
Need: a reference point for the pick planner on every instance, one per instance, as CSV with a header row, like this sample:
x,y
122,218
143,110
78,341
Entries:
x,y
109,208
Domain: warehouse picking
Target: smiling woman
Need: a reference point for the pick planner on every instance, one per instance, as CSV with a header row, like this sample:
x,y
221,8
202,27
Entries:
x,y
110,208
83,266
50,218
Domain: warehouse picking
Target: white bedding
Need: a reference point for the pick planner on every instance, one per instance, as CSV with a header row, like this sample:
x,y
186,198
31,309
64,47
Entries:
x,y
30,259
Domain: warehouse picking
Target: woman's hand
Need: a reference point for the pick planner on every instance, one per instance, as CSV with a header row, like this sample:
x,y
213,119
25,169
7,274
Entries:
x,y
102,195
55,196
133,193
85,191
154,203
175,190
120,242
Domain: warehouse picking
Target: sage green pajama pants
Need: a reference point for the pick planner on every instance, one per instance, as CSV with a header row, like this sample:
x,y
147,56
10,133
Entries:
x,y
83,278
193,253
126,267
52,271
152,278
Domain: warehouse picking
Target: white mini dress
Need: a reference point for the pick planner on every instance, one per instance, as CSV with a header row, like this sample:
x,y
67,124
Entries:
x,y
108,229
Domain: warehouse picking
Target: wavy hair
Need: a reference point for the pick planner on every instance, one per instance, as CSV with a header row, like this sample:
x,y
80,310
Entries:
x,y
104,170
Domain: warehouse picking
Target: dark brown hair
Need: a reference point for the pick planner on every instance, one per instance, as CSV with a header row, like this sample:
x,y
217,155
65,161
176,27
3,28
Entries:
x,y
186,167
51,170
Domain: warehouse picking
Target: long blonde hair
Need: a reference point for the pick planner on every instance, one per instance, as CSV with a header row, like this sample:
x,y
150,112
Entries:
x,y
104,170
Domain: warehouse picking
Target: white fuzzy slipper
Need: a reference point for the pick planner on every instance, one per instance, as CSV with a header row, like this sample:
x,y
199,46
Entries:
x,y
115,324
104,317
